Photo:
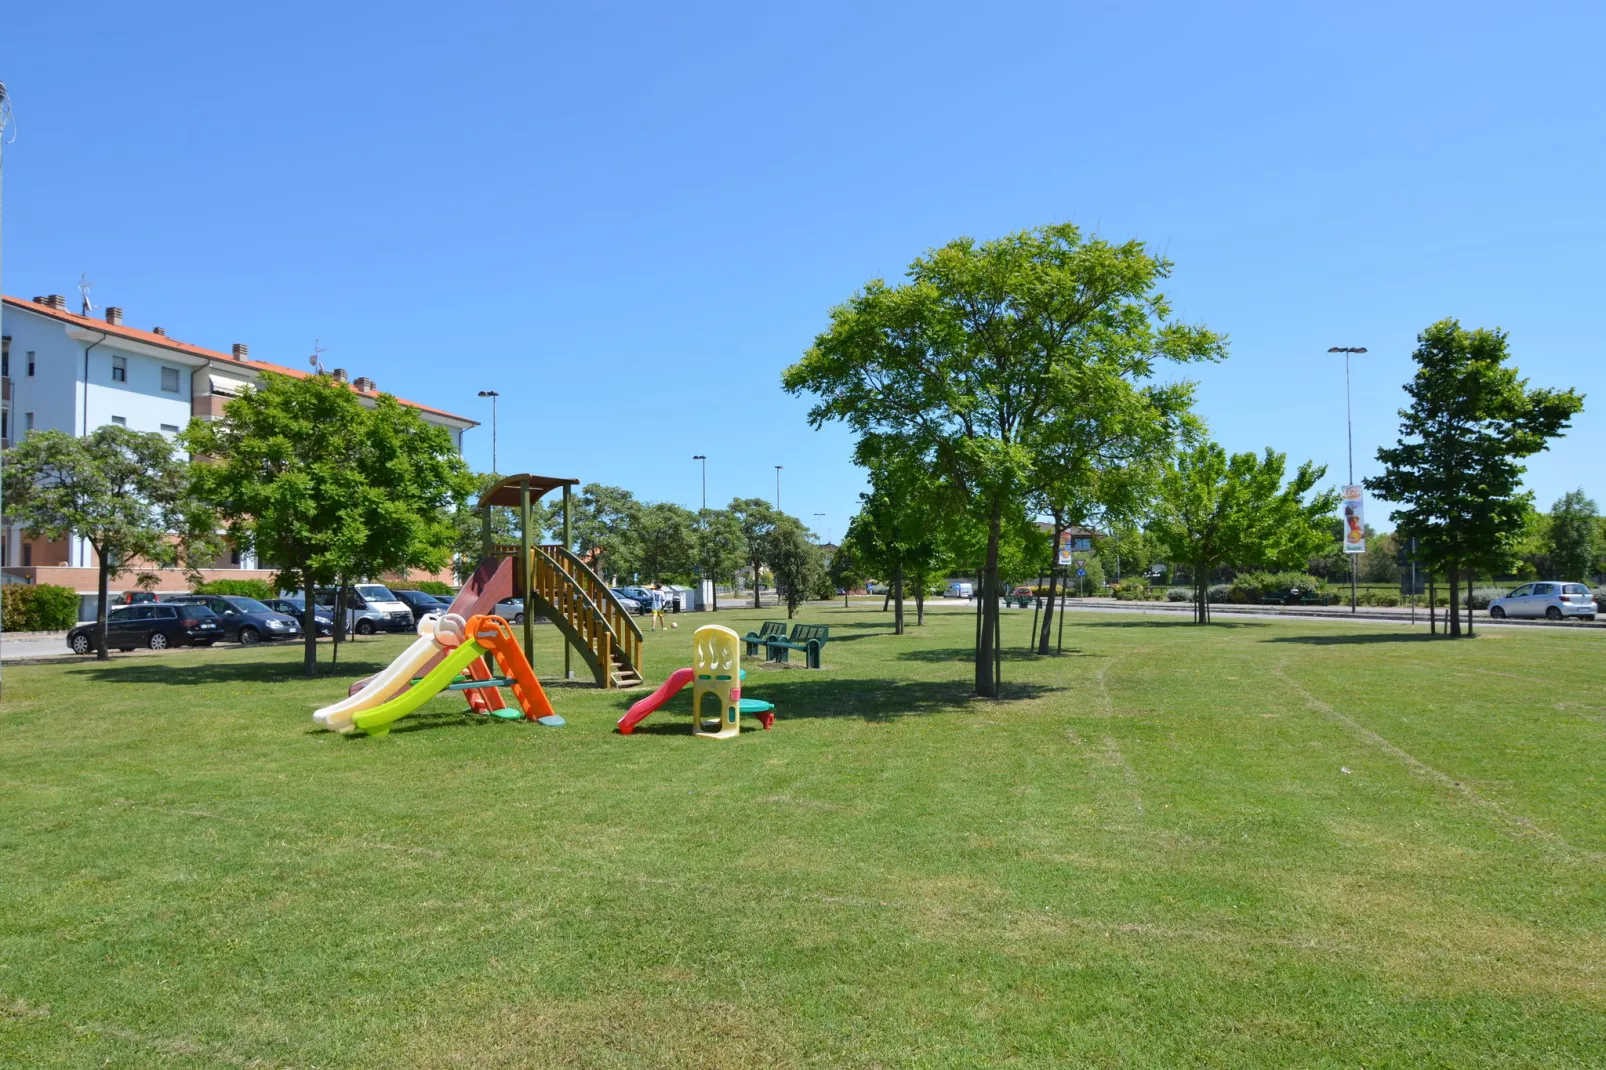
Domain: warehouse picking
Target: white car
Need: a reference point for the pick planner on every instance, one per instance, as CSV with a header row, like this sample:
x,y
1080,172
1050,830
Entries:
x,y
510,610
1551,599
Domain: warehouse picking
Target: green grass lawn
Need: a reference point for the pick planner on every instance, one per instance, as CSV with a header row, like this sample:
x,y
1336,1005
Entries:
x,y
1261,844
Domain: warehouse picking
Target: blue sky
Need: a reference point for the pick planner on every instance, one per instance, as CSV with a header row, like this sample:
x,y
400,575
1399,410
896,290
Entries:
x,y
629,218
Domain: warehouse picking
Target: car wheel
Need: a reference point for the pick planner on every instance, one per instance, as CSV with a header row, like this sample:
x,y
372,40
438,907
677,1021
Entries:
x,y
365,627
1497,612
80,644
250,636
1552,613
158,641
518,618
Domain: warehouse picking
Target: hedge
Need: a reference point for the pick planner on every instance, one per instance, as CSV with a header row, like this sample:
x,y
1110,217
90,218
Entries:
x,y
258,589
435,587
38,607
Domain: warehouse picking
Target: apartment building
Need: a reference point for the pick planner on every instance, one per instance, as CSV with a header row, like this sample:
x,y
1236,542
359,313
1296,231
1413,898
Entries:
x,y
74,373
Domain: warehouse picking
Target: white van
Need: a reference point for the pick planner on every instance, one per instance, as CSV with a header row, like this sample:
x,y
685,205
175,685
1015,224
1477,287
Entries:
x,y
960,590
370,608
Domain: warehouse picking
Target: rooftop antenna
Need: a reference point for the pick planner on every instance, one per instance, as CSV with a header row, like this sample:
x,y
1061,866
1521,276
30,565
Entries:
x,y
317,351
84,286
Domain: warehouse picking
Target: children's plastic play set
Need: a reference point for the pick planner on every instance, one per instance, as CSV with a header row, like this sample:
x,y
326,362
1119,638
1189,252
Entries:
x,y
453,648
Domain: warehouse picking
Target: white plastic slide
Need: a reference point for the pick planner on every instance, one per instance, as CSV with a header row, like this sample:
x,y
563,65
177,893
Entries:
x,y
395,678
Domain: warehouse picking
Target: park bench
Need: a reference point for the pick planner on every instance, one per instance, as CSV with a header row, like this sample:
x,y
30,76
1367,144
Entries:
x,y
809,638
770,629
1294,598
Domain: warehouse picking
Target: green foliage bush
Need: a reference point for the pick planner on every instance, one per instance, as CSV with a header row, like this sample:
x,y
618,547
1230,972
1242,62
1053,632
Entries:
x,y
258,589
1178,594
435,587
38,607
1482,596
1135,591
1219,592
1251,587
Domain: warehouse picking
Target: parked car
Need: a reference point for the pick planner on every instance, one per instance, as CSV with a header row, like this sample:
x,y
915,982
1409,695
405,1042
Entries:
x,y
245,620
1552,599
421,603
134,598
295,607
1022,596
370,608
156,626
510,610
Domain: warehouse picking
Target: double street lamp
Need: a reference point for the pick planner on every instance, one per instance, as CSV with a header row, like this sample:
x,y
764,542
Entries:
x,y
1349,431
704,459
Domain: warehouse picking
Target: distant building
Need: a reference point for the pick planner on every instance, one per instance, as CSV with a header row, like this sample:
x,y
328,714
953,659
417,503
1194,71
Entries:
x,y
73,373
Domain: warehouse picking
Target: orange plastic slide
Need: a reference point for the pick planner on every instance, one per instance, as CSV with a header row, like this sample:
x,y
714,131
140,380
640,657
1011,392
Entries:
x,y
496,636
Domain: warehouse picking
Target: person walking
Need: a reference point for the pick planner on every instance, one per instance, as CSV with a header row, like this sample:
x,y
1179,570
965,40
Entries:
x,y
658,604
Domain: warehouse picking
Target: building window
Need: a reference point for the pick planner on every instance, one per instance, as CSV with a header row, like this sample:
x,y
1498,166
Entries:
x,y
27,553
170,380
27,422
30,363
119,369
120,421
234,557
171,429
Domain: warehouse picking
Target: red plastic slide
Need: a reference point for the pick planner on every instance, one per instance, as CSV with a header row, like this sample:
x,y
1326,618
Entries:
x,y
491,583
638,713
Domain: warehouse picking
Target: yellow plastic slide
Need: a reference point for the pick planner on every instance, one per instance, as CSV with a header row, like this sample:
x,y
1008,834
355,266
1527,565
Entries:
x,y
377,721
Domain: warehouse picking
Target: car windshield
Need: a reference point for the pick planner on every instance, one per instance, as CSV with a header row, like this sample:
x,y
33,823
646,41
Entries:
x,y
247,605
194,610
292,603
375,592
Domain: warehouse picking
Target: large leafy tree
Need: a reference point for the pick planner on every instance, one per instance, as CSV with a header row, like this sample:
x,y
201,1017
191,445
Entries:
x,y
719,546
665,541
1456,469
1574,536
127,493
1213,510
468,527
757,519
327,489
959,366
606,523
794,561
898,533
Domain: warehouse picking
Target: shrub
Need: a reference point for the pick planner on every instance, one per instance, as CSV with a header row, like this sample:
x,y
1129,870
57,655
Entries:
x,y
1218,592
1385,598
38,607
258,589
1253,586
1178,594
435,587
1482,596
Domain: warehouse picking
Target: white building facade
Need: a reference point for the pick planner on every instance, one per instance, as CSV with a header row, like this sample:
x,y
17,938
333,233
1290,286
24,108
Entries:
x,y
68,372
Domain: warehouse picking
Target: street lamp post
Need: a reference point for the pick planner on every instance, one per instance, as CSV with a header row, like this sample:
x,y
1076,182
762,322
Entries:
x,y
778,488
704,459
493,395
822,516
1349,433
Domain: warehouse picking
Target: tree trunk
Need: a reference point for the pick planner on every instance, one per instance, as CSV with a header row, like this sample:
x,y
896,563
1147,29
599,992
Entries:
x,y
340,614
920,599
1469,601
897,596
1048,610
986,681
1452,577
309,641
886,603
1433,597
755,583
102,584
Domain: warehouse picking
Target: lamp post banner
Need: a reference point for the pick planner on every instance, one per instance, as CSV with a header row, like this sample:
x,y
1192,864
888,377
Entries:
x,y
1066,543
1354,520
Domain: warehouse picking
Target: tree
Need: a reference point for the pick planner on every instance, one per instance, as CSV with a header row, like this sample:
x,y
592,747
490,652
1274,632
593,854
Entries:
x,y
844,570
1455,469
794,560
1574,536
125,492
606,523
957,367
468,527
757,519
719,546
1215,510
664,541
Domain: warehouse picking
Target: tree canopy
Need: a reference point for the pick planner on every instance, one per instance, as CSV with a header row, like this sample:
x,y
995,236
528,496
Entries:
x,y
126,492
961,366
1574,536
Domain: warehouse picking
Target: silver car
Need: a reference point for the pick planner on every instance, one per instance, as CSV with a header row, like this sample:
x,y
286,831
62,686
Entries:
x,y
1551,599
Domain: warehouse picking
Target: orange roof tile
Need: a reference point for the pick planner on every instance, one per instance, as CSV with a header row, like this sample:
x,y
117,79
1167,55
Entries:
x,y
162,340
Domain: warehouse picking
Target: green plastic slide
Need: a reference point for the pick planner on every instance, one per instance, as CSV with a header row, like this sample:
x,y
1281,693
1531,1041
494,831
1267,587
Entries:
x,y
377,721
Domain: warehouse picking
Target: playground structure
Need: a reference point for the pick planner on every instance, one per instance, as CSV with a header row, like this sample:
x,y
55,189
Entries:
x,y
552,582
716,673
447,647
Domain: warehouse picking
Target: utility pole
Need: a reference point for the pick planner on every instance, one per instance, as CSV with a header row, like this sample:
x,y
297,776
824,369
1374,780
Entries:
x,y
5,120
704,459
777,488
493,395
1349,431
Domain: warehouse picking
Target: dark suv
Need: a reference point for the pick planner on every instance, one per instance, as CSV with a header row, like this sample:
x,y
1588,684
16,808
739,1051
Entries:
x,y
156,626
421,603
245,620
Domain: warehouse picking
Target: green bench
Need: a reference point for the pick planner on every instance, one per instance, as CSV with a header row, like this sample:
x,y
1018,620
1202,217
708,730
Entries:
x,y
809,638
770,629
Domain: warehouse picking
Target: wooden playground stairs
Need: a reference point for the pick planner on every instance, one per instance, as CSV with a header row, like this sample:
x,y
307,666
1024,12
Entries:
x,y
575,599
